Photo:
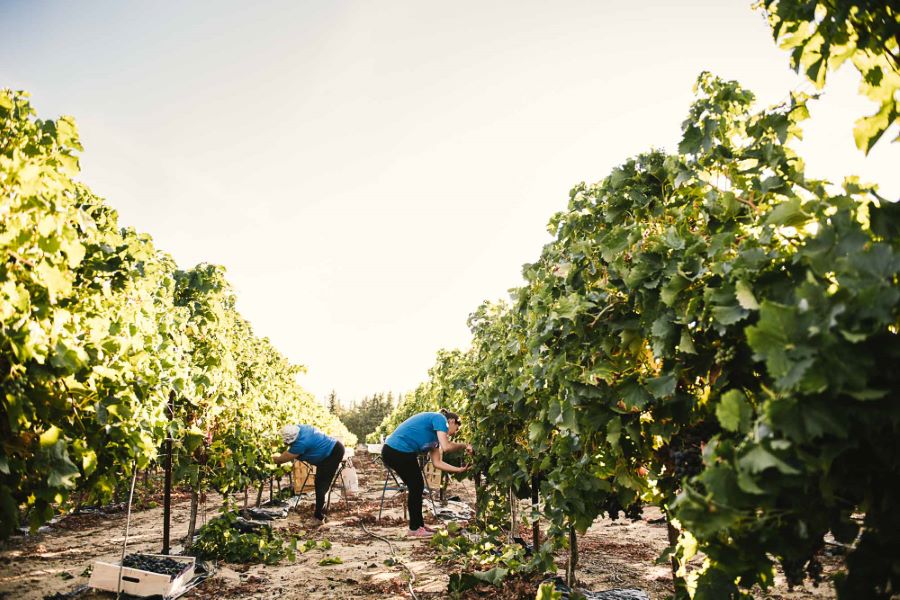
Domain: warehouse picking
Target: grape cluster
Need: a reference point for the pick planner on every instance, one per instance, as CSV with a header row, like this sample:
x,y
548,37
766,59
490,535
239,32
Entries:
x,y
154,564
15,387
814,570
613,507
795,570
634,511
688,461
725,354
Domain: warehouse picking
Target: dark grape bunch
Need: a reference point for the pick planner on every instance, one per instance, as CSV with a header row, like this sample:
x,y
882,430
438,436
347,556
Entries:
x,y
793,571
633,512
814,570
154,564
613,507
688,461
796,570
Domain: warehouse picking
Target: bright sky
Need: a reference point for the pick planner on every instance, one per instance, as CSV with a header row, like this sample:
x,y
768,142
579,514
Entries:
x,y
370,172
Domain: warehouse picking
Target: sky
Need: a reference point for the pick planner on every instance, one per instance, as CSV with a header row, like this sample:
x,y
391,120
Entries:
x,y
369,172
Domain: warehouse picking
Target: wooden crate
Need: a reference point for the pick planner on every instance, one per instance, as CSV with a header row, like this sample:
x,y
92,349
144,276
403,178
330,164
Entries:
x,y
105,576
301,470
432,476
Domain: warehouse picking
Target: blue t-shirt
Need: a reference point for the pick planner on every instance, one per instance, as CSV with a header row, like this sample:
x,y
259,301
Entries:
x,y
418,433
312,445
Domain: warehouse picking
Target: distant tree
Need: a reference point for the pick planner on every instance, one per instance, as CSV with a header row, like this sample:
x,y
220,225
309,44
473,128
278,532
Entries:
x,y
364,416
334,405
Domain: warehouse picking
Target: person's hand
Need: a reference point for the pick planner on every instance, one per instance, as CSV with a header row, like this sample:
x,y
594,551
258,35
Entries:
x,y
464,468
469,449
274,458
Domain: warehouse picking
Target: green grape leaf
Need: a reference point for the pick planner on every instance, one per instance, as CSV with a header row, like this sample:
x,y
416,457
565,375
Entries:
x,y
745,297
50,436
734,412
58,284
62,471
661,387
548,591
759,459
788,212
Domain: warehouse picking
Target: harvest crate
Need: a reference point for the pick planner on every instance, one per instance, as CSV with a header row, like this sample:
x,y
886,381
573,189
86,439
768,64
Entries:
x,y
432,476
105,576
302,473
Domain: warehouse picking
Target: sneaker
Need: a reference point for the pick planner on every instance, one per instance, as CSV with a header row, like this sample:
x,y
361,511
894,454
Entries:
x,y
429,529
317,522
421,532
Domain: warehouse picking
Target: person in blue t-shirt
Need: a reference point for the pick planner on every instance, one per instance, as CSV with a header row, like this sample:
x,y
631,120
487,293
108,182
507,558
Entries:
x,y
423,432
308,444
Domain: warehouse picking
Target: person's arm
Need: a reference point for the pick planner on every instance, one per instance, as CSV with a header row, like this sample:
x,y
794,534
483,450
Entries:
x,y
284,457
437,459
448,446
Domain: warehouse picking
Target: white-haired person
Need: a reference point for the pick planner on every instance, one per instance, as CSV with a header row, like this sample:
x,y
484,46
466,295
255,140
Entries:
x,y
308,444
423,432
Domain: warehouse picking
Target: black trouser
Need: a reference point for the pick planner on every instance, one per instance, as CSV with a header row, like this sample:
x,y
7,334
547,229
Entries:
x,y
406,465
325,471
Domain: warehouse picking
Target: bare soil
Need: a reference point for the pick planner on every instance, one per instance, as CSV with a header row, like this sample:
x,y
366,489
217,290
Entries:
x,y
612,554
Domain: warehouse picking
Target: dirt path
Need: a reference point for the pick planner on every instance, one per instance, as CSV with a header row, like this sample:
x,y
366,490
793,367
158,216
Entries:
x,y
612,554
56,560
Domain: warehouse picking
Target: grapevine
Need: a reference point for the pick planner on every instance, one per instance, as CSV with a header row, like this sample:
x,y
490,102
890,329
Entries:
x,y
709,331
100,329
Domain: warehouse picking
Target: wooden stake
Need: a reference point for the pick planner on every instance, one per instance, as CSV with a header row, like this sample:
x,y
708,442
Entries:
x,y
513,514
477,479
535,506
573,557
192,522
167,490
